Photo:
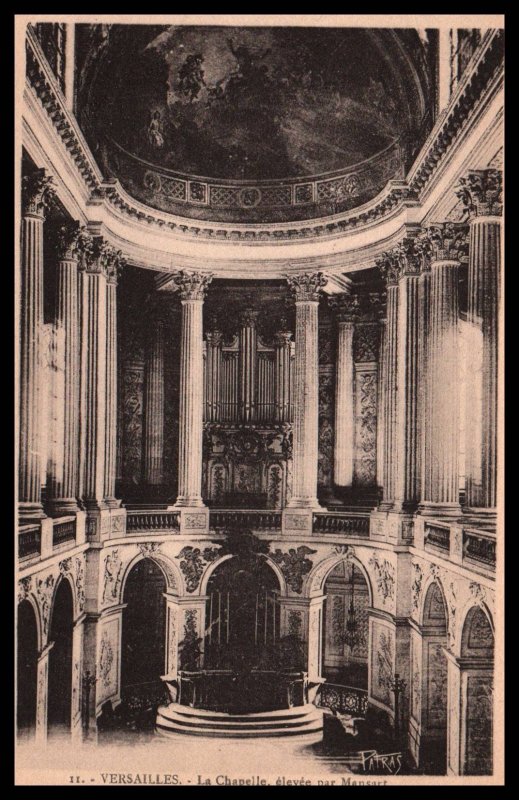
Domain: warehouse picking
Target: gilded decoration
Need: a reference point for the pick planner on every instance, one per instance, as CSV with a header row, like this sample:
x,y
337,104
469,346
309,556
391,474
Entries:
x,y
193,562
113,567
294,565
385,576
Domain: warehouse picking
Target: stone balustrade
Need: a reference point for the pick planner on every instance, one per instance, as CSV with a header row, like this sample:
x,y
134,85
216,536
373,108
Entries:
x,y
138,521
64,531
345,523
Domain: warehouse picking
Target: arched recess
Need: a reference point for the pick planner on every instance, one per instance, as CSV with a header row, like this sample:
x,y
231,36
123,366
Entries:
x,y
172,574
345,634
210,569
477,663
27,668
143,641
242,613
318,576
60,659
429,681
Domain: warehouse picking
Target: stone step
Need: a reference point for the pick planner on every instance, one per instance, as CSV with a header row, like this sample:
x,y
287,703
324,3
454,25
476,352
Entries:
x,y
301,721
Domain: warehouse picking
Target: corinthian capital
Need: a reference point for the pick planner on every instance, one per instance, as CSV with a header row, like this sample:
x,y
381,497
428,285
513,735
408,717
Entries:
x,y
71,240
409,257
192,285
307,286
481,192
449,241
37,192
346,306
100,257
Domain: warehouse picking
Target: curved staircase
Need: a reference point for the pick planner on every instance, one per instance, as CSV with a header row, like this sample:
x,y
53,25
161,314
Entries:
x,y
305,722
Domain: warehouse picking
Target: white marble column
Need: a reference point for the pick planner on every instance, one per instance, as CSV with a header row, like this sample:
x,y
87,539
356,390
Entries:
x,y
154,408
192,287
390,273
306,289
70,242
94,374
114,264
347,312
481,193
410,261
440,493
36,194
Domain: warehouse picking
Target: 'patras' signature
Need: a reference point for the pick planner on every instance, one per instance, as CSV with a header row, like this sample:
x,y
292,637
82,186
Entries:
x,y
371,761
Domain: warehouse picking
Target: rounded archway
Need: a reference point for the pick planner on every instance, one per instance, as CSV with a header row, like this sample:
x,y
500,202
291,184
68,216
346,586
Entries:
x,y
242,614
477,647
60,661
345,632
430,683
27,669
143,651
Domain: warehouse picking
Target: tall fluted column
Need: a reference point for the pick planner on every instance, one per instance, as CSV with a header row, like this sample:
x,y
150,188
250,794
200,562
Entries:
x,y
481,192
282,375
248,364
114,264
424,432
94,372
410,257
154,409
440,494
71,240
306,290
214,341
390,272
36,193
192,288
347,308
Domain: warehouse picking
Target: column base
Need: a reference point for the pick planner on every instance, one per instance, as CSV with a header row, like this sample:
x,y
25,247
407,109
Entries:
x,y
188,503
306,503
429,509
62,507
30,512
385,506
480,514
112,502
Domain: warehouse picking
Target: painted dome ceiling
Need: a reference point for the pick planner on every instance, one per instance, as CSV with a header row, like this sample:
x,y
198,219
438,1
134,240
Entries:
x,y
231,123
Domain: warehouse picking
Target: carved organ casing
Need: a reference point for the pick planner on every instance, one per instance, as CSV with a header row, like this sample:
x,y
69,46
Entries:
x,y
247,414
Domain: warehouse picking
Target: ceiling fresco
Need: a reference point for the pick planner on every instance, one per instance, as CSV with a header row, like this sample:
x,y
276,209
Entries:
x,y
245,104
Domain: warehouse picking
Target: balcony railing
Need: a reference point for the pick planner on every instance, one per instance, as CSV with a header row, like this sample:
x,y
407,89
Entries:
x,y
137,521
256,520
479,547
437,536
29,541
345,523
64,531
343,699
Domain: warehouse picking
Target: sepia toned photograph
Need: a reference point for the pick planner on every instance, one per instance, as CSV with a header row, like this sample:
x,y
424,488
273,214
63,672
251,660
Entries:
x,y
259,392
